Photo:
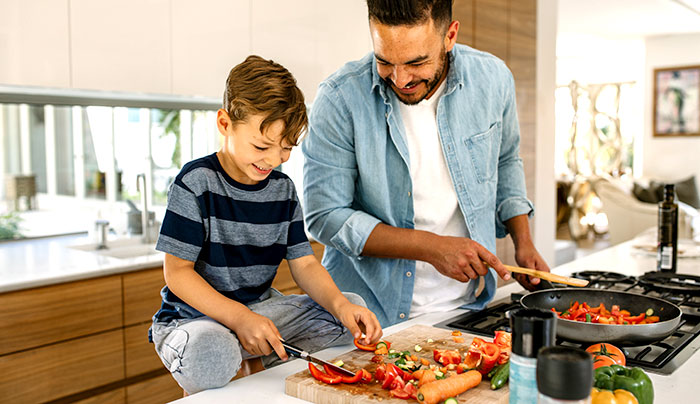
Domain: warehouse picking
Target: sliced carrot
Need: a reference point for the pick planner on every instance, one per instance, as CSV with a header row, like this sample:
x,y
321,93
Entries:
x,y
433,393
414,358
418,373
428,376
424,362
456,333
458,340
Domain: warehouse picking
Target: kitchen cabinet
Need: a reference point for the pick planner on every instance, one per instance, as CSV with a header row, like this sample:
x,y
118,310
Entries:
x,y
35,45
82,340
86,341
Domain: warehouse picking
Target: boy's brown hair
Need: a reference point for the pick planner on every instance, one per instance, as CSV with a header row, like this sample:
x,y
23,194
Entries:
x,y
259,86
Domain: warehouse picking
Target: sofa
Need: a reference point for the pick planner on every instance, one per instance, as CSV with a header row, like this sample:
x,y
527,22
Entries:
x,y
629,217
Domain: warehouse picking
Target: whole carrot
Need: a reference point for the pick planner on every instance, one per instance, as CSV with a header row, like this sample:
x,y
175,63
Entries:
x,y
433,393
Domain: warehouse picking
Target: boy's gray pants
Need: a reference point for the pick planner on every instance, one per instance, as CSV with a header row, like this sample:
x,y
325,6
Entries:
x,y
203,354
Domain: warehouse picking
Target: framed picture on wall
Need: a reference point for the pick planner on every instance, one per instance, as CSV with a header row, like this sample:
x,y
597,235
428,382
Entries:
x,y
677,101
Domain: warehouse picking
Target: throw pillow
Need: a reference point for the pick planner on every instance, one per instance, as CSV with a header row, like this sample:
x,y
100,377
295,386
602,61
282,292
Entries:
x,y
648,194
687,192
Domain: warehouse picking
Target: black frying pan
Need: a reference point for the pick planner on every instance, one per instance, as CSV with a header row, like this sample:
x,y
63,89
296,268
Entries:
x,y
561,299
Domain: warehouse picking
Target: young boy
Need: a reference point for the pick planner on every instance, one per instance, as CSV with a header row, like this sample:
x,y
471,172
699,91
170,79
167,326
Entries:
x,y
230,221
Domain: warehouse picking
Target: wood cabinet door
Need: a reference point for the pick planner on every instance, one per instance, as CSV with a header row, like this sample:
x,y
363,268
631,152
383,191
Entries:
x,y
58,370
50,314
142,295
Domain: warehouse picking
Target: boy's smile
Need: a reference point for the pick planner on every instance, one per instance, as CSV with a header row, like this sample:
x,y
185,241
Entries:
x,y
249,155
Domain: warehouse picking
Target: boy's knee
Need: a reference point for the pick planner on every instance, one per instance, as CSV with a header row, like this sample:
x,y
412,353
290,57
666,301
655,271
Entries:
x,y
210,360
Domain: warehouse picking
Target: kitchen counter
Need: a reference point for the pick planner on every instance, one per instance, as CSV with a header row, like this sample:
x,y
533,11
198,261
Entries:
x,y
268,386
31,263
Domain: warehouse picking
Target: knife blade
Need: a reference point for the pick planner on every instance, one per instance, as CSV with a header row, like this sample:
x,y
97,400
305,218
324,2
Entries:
x,y
300,353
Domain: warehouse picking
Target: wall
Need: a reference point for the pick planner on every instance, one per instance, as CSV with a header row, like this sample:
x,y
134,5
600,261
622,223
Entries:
x,y
669,158
174,46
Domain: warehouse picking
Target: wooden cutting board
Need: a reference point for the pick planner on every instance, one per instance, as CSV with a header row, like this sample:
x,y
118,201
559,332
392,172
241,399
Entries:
x,y
302,385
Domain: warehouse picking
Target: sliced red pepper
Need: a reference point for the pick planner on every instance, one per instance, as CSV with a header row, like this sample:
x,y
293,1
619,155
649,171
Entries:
x,y
364,347
447,356
323,376
503,339
472,359
366,376
635,319
346,379
489,356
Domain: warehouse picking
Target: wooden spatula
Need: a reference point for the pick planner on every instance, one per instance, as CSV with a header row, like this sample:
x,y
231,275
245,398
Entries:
x,y
548,276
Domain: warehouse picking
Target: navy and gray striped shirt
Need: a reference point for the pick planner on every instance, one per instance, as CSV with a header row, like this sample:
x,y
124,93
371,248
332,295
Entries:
x,y
236,234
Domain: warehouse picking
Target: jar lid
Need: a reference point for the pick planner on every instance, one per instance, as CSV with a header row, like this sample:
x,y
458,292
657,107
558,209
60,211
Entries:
x,y
557,366
532,330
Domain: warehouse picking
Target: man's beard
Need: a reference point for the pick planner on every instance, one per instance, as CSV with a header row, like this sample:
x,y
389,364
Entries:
x,y
430,84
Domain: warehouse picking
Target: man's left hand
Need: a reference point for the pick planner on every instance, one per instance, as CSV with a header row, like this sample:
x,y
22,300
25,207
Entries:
x,y
527,257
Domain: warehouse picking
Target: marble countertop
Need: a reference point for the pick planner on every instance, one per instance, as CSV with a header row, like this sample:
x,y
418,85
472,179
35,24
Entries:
x,y
268,386
39,262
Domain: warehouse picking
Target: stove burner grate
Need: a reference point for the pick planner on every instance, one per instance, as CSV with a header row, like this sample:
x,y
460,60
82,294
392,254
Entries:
x,y
670,282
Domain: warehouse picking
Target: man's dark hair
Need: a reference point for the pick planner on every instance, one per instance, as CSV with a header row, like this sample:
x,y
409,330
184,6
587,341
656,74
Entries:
x,y
410,12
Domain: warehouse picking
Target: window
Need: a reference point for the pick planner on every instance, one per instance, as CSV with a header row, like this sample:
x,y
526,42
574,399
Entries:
x,y
85,149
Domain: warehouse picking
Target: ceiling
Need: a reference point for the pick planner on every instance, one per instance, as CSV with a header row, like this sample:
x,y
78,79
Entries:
x,y
628,18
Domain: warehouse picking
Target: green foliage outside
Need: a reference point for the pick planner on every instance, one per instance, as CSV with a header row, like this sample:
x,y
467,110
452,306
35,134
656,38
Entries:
x,y
9,226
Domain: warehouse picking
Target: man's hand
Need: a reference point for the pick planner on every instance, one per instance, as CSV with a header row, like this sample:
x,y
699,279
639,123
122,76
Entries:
x,y
258,334
527,256
463,259
360,320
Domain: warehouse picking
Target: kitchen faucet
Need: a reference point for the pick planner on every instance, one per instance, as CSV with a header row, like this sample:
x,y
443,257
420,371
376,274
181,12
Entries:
x,y
145,220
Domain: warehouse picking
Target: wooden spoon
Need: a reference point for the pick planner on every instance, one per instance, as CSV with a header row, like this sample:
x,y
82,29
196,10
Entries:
x,y
548,276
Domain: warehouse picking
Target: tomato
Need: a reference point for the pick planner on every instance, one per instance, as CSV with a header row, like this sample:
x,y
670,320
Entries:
x,y
447,356
388,380
323,376
411,389
363,347
377,359
606,354
399,392
380,372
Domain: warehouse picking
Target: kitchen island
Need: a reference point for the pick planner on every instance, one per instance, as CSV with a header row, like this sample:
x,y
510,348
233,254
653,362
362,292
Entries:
x,y
268,386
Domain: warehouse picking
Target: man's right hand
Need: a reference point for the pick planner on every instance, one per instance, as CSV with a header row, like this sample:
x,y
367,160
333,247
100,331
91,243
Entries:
x,y
258,334
463,259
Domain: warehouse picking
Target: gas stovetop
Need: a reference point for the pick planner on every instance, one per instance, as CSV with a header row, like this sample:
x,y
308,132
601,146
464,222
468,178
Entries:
x,y
664,356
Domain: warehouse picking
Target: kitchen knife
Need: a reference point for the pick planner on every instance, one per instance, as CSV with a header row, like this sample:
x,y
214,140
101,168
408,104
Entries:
x,y
300,353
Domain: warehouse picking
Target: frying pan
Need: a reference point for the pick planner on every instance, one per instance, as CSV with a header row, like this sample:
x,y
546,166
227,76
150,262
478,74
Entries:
x,y
561,299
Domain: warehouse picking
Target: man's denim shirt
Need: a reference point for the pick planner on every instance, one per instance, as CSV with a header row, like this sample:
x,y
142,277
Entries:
x,y
356,170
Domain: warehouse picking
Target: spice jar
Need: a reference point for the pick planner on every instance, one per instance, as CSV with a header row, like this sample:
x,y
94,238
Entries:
x,y
557,366
532,329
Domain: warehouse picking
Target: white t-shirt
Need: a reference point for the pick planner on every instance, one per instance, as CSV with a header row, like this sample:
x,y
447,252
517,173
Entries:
x,y
435,206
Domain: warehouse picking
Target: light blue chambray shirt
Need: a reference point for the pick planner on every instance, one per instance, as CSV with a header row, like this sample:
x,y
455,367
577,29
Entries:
x,y
356,170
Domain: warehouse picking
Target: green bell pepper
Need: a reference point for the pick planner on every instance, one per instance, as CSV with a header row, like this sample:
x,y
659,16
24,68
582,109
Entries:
x,y
633,380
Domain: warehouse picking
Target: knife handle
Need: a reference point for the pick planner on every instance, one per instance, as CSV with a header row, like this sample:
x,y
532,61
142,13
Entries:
x,y
293,351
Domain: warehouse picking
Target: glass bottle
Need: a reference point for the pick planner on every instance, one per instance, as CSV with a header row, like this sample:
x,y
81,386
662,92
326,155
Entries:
x,y
668,232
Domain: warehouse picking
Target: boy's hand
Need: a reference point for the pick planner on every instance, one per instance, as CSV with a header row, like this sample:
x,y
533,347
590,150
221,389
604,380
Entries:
x,y
360,320
258,335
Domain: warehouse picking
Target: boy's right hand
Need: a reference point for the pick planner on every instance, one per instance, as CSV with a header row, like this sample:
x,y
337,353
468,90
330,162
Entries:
x,y
258,335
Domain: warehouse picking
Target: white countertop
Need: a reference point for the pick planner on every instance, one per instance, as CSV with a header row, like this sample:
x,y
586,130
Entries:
x,y
39,262
268,386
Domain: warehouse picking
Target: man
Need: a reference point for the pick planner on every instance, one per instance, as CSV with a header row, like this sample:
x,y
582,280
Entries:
x,y
412,167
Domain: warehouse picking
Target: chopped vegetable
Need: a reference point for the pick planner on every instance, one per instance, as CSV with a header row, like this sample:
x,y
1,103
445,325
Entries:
x,y
417,348
600,314
451,400
633,380
433,393
456,333
323,376
447,356
339,363
364,347
429,340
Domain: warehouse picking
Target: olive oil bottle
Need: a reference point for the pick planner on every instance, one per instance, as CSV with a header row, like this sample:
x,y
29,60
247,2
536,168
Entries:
x,y
668,232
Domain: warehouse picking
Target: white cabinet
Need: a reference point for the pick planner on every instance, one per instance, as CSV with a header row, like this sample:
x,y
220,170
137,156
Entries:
x,y
209,37
34,43
121,45
311,38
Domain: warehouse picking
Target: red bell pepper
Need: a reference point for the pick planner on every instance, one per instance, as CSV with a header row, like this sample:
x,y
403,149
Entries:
x,y
447,356
323,376
346,379
489,355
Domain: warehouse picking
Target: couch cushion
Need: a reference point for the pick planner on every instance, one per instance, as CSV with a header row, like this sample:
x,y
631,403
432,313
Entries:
x,y
686,191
